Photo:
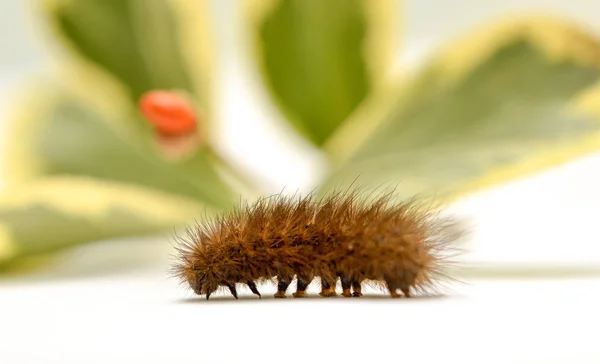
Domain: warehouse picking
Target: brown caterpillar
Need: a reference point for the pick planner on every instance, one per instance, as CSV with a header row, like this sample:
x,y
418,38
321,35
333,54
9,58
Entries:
x,y
395,245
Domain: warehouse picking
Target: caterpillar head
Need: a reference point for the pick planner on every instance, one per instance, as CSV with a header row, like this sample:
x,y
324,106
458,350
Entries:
x,y
200,280
203,284
196,285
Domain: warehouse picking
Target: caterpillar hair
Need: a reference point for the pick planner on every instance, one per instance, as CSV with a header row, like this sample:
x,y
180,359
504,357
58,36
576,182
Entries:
x,y
347,235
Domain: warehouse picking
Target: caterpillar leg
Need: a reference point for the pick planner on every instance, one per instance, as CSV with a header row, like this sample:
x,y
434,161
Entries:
x,y
252,287
301,287
346,284
231,289
327,289
406,291
392,287
282,285
356,288
208,291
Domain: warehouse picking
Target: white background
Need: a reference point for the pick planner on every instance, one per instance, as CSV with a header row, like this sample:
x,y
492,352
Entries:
x,y
81,313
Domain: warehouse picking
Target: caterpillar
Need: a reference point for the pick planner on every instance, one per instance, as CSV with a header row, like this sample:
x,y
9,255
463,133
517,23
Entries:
x,y
346,235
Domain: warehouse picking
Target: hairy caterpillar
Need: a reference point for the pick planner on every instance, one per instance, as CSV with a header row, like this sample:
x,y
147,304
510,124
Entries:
x,y
399,246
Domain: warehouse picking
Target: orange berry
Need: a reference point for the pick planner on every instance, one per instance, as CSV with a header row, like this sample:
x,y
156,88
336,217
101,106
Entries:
x,y
169,112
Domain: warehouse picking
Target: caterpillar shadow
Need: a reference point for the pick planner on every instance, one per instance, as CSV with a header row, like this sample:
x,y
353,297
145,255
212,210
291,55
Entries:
x,y
312,298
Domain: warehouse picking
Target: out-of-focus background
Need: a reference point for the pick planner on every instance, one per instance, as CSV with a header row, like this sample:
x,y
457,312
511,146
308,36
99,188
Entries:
x,y
490,108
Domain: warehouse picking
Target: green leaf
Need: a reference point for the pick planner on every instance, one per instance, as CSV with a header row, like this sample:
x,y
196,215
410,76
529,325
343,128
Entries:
x,y
320,59
144,44
487,110
58,135
58,212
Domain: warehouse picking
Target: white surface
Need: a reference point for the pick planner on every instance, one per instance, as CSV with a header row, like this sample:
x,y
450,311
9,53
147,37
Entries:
x,y
146,319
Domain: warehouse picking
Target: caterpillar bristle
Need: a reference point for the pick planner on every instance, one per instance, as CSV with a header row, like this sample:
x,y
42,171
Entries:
x,y
349,236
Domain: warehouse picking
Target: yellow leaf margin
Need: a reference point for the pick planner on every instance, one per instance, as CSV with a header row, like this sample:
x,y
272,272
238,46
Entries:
x,y
18,161
92,200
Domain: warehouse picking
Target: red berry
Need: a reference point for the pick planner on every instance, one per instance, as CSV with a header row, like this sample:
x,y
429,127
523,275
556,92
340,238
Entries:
x,y
169,112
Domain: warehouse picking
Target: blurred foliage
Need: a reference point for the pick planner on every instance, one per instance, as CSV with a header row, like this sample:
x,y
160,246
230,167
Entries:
x,y
315,57
57,212
136,41
84,166
458,126
65,136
